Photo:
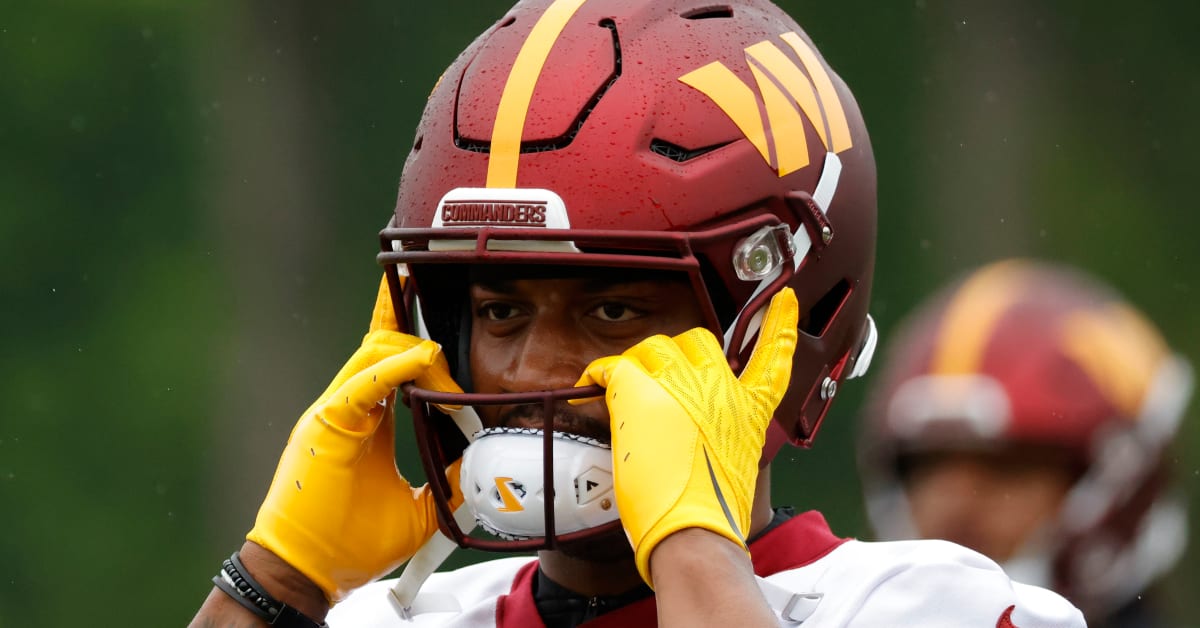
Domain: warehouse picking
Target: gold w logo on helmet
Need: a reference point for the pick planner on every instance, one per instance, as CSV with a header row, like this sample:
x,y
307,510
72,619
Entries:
x,y
788,95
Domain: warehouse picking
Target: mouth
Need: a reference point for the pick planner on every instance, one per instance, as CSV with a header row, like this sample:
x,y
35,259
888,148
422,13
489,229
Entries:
x,y
566,418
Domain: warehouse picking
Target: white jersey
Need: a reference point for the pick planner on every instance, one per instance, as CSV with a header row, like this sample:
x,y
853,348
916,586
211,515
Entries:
x,y
806,572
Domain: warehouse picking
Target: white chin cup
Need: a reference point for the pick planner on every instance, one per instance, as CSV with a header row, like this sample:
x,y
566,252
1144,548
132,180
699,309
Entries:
x,y
502,482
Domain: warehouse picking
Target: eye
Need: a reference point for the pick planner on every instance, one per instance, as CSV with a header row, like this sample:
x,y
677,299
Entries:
x,y
496,311
615,312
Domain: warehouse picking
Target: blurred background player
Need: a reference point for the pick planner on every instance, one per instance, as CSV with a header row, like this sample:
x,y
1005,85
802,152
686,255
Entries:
x,y
1025,412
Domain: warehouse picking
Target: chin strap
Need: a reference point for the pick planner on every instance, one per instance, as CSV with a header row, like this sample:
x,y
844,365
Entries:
x,y
435,551
792,607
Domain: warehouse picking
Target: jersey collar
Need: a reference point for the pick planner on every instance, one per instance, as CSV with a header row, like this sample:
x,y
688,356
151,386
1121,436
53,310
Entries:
x,y
799,541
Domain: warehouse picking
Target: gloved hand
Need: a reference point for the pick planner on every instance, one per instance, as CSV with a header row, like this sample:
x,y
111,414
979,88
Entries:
x,y
338,510
687,434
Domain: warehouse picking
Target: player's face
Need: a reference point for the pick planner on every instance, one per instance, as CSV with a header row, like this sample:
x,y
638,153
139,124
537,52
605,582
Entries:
x,y
990,502
539,334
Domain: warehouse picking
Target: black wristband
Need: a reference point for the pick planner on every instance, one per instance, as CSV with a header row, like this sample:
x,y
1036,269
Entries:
x,y
237,583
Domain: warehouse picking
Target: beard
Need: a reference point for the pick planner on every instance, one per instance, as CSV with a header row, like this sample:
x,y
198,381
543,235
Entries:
x,y
566,419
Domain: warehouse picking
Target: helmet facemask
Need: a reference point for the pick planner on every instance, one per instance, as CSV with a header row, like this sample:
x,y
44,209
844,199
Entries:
x,y
549,465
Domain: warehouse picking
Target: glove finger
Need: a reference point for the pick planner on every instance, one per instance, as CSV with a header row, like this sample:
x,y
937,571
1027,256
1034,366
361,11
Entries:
x,y
655,354
384,316
361,394
380,456
376,346
424,521
599,373
437,377
383,343
769,369
700,347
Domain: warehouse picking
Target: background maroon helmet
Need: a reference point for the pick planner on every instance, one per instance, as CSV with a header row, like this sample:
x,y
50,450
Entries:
x,y
675,135
1028,354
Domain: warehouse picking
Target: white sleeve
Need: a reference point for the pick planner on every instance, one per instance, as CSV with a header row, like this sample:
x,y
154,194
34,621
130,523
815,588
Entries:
x,y
471,591
935,583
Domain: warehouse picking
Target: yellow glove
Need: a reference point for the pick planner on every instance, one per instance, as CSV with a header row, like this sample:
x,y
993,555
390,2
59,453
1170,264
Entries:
x,y
337,509
687,434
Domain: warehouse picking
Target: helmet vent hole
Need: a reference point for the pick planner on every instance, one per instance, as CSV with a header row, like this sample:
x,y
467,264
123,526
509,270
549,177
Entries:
x,y
561,142
418,142
508,22
708,13
817,319
674,152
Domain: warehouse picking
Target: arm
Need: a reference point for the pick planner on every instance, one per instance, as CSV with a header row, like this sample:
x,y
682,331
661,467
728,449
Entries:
x,y
687,435
280,579
701,578
338,514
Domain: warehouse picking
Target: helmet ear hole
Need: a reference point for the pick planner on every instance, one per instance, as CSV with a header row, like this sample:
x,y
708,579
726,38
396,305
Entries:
x,y
816,320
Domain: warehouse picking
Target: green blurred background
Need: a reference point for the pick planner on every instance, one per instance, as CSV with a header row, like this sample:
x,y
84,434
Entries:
x,y
190,197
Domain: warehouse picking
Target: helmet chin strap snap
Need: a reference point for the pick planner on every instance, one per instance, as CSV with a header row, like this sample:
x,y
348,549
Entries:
x,y
504,485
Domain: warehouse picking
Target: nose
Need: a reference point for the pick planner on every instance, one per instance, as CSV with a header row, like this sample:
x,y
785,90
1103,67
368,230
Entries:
x,y
549,355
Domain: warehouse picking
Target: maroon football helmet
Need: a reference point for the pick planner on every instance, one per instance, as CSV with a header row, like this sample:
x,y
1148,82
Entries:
x,y
709,139
1024,355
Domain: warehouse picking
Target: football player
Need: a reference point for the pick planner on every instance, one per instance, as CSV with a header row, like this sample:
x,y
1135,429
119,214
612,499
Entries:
x,y
1024,412
630,259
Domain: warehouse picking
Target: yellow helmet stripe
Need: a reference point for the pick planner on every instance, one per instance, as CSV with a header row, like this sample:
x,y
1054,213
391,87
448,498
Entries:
x,y
1119,350
972,315
782,116
518,92
835,114
773,119
736,99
